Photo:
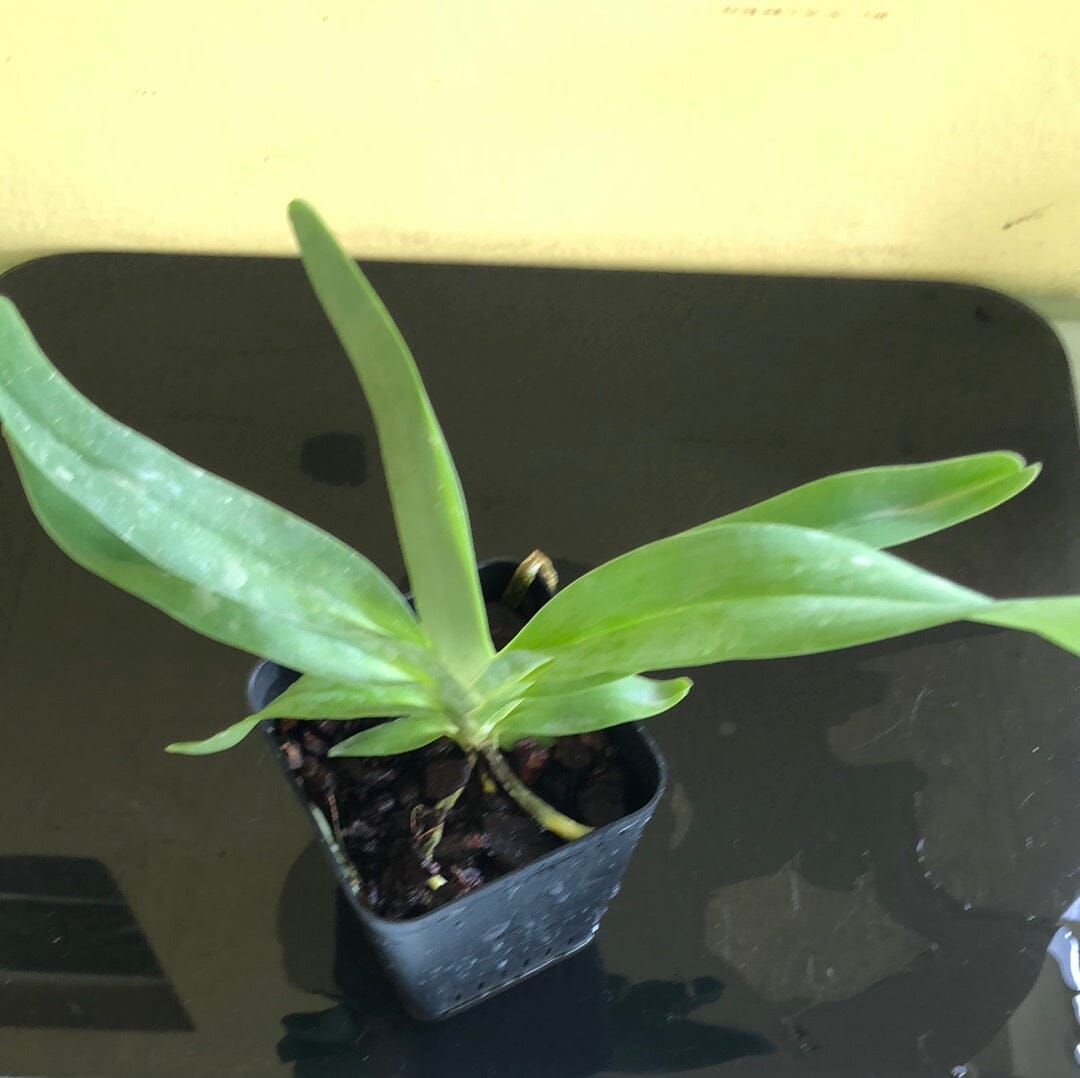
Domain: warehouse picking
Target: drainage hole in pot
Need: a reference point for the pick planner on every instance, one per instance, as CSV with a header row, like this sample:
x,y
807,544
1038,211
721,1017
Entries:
x,y
480,987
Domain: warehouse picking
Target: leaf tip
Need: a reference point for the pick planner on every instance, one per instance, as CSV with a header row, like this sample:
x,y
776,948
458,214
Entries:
x,y
303,220
195,748
299,207
1014,458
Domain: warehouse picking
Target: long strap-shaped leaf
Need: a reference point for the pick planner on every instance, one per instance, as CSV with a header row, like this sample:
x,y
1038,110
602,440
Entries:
x,y
429,508
275,633
194,525
389,738
895,504
1055,618
752,591
627,699
318,698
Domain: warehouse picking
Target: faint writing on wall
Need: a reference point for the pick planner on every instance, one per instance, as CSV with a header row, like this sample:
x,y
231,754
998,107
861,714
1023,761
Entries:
x,y
802,12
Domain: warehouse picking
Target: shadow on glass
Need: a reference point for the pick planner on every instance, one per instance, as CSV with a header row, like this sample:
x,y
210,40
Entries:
x,y
604,1021
72,954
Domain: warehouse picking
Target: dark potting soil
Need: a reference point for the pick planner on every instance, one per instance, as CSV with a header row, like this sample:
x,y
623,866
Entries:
x,y
382,808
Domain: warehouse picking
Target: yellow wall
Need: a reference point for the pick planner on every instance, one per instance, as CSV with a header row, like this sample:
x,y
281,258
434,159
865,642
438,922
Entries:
x,y
941,138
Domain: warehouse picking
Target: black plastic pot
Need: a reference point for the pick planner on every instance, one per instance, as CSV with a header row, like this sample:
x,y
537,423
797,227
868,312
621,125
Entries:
x,y
516,926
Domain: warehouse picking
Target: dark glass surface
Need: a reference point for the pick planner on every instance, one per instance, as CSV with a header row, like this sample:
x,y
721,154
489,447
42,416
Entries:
x,y
862,858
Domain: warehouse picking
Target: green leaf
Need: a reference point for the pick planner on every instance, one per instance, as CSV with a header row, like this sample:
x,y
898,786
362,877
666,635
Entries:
x,y
208,552
219,742
752,591
489,716
552,681
508,672
321,698
1057,618
734,591
401,735
627,699
292,643
425,491
317,698
886,506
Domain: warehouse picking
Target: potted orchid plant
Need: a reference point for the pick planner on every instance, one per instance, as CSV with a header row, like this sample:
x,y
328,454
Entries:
x,y
450,745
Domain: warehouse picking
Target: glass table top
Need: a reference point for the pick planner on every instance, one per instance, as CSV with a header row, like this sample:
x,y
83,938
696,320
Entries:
x,y
862,858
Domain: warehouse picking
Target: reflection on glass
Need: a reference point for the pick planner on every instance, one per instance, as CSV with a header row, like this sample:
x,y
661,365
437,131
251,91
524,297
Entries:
x,y
571,1020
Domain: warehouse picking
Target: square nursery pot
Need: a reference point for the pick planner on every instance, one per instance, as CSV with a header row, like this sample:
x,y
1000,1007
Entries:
x,y
512,928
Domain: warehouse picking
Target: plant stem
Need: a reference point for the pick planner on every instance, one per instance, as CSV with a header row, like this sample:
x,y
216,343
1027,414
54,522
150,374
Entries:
x,y
547,817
